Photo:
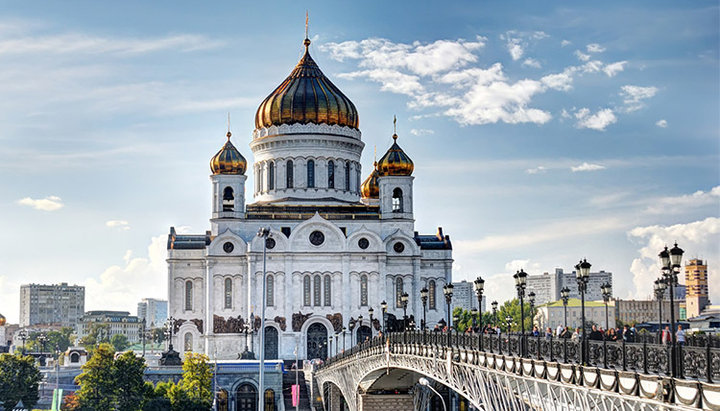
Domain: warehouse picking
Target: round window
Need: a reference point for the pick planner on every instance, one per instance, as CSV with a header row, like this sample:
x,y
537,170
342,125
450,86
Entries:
x,y
270,243
363,243
399,247
317,238
228,247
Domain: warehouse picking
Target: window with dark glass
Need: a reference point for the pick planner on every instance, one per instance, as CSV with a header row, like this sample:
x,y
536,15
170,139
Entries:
x,y
270,291
306,290
328,290
431,295
289,174
397,201
331,174
317,284
188,342
228,293
347,176
398,292
363,290
311,173
271,177
188,295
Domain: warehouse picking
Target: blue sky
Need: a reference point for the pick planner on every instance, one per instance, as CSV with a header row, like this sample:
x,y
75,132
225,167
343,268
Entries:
x,y
542,132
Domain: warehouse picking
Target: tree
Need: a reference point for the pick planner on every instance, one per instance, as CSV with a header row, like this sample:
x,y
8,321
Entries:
x,y
197,378
130,387
97,381
19,380
511,308
97,333
120,342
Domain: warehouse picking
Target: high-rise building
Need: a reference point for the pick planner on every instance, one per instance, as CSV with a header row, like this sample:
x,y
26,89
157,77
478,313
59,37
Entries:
x,y
153,311
696,281
57,304
547,286
464,296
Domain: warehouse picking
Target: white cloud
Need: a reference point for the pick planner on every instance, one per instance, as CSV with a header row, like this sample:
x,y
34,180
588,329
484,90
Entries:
x,y
612,69
120,287
698,239
592,66
587,167
662,123
539,35
50,203
582,56
565,43
421,132
681,204
392,80
119,224
634,96
595,48
530,62
516,265
559,81
536,170
515,49
597,121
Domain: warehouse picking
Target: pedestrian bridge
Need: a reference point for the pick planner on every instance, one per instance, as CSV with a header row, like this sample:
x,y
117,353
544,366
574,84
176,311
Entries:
x,y
383,373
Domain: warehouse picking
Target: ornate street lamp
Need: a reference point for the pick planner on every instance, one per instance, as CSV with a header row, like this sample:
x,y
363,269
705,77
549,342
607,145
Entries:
x,y
660,288
448,291
582,272
351,327
606,294
565,295
520,284
424,293
473,315
344,330
371,311
494,305
670,268
531,300
264,234
404,301
383,306
23,335
479,284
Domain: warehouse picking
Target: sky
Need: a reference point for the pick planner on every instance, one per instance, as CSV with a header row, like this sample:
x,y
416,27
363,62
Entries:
x,y
541,132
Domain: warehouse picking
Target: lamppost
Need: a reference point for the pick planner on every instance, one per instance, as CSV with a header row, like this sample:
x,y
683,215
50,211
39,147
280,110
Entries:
x,y
383,306
344,331
448,291
606,294
351,327
494,305
582,272
337,336
520,284
565,295
41,339
456,320
670,268
142,327
264,234
23,336
424,293
473,315
404,301
371,311
531,300
479,287
660,288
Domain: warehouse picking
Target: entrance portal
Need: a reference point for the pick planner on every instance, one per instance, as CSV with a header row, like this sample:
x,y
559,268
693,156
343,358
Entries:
x,y
246,398
317,342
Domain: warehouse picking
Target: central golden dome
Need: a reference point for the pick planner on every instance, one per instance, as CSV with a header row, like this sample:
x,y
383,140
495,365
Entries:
x,y
306,96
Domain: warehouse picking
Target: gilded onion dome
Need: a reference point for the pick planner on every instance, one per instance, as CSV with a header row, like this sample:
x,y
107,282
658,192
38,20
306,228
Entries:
x,y
395,162
2,320
306,96
228,160
370,187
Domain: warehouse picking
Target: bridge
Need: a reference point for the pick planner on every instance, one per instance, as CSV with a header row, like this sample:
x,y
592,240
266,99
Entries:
x,y
616,376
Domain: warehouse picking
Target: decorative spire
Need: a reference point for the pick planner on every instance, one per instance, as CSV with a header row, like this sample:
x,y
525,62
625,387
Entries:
x,y
307,39
229,134
394,127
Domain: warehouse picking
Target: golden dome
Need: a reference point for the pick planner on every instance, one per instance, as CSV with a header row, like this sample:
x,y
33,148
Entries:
x,y
370,187
228,160
395,162
2,320
306,96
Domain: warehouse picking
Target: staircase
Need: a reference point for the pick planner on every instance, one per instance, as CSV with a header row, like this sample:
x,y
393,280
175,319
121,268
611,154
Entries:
x,y
288,381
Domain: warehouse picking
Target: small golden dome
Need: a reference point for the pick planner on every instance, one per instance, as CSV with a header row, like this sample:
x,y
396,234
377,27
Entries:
x,y
228,160
370,187
2,320
306,96
395,162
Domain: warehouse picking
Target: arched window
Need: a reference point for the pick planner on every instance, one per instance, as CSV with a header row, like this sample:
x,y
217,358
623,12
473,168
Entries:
x,y
357,180
306,290
289,174
188,342
188,295
397,200
398,292
228,199
347,176
431,294
317,283
363,290
311,173
328,290
331,174
228,293
270,291
269,400
260,178
271,176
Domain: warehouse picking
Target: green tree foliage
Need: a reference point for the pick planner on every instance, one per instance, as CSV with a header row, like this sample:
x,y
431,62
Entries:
x,y
511,308
119,342
157,335
197,378
130,387
97,381
98,333
61,339
19,380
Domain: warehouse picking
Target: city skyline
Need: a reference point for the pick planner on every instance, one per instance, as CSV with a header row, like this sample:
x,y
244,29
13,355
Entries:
x,y
538,139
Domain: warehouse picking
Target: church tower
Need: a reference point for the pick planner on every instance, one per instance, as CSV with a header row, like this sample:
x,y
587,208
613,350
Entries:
x,y
395,183
228,179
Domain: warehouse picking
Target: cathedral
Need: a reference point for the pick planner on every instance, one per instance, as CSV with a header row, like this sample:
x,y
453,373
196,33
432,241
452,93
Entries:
x,y
339,249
